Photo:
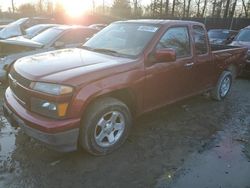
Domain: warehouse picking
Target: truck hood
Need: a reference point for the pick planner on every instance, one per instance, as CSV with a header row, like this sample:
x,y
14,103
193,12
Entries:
x,y
68,66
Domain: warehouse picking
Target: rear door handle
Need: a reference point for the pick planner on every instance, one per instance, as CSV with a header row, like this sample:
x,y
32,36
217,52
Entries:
x,y
189,64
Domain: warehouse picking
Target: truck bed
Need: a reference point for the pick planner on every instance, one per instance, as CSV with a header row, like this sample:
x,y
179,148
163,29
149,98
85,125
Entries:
x,y
229,55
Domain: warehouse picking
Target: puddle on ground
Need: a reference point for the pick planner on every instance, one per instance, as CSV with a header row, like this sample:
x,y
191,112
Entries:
x,y
7,146
7,136
223,164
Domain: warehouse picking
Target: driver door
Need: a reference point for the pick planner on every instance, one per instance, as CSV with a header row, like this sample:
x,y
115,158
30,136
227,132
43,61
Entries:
x,y
168,81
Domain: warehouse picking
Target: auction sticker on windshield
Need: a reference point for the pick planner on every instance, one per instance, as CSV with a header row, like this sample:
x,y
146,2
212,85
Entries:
x,y
148,28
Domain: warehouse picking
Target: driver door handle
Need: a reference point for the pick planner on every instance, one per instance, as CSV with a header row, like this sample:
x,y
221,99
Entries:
x,y
189,64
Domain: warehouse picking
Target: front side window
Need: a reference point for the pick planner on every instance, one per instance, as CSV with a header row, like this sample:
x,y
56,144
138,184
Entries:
x,y
176,38
200,40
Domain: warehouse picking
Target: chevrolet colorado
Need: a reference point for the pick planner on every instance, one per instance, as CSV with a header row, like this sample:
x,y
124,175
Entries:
x,y
87,97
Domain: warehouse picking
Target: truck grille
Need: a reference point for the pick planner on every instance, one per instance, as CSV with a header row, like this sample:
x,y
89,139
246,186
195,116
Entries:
x,y
20,79
18,84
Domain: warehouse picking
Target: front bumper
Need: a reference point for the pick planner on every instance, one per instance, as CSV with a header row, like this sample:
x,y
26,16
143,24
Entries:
x,y
60,135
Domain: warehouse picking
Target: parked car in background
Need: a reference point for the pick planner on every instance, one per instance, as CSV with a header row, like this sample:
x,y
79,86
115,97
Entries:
x,y
17,28
36,29
98,26
4,23
221,36
243,40
51,39
2,27
88,97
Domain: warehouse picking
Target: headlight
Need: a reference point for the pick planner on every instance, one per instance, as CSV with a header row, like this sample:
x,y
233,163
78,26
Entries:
x,y
49,109
53,89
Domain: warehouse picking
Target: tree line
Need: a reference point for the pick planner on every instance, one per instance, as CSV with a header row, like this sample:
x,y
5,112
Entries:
x,y
155,9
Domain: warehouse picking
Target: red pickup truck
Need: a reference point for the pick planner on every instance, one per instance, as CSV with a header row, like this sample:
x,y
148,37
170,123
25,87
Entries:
x,y
88,96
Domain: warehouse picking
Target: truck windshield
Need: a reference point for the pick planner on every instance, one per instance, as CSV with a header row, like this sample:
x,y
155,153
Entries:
x,y
244,35
127,39
47,36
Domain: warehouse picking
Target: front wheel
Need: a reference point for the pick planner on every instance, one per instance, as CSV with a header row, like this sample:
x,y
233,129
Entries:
x,y
223,86
105,126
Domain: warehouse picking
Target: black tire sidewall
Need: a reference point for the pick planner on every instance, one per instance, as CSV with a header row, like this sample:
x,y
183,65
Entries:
x,y
89,125
223,77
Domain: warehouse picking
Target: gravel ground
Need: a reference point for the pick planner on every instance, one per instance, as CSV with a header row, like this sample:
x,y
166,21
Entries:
x,y
165,148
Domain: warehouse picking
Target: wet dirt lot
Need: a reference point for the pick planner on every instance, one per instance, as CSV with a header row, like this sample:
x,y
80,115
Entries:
x,y
194,143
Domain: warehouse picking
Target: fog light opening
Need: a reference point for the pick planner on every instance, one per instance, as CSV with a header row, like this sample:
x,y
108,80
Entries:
x,y
49,106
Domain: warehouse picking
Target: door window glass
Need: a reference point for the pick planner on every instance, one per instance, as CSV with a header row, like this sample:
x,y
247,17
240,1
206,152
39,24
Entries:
x,y
176,38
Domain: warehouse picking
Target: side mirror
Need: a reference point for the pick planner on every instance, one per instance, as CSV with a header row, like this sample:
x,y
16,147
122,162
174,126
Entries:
x,y
165,55
59,44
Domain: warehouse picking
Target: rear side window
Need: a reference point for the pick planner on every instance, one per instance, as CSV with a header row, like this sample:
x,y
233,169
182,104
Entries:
x,y
176,38
200,40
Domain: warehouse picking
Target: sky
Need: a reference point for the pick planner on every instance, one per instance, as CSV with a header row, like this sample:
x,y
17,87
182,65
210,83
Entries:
x,y
4,4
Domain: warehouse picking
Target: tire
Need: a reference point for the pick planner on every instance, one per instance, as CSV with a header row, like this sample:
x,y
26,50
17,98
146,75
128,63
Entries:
x,y
105,117
223,86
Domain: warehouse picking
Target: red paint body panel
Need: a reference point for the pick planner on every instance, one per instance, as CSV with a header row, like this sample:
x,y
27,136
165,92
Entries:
x,y
37,122
93,75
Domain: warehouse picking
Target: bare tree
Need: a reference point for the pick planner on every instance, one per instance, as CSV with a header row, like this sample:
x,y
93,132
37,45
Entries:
x,y
173,7
226,9
218,9
198,8
166,7
184,9
231,15
204,8
40,5
13,6
161,7
245,8
188,8
214,6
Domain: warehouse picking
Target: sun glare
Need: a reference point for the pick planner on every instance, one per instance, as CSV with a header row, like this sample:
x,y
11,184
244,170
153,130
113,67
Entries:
x,y
76,8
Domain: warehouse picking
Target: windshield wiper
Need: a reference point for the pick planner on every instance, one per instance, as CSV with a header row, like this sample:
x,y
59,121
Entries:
x,y
86,48
99,49
104,50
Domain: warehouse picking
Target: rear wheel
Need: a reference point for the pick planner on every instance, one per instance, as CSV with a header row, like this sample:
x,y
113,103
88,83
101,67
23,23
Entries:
x,y
105,126
223,86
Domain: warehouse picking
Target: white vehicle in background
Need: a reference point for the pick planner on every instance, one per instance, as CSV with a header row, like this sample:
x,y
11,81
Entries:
x,y
36,29
18,27
51,39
